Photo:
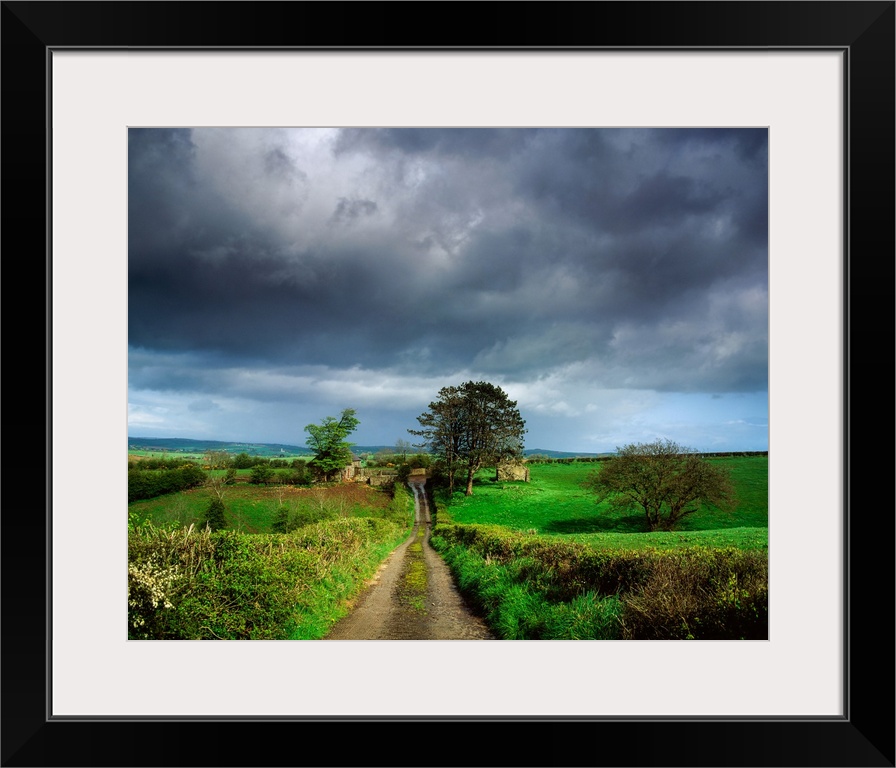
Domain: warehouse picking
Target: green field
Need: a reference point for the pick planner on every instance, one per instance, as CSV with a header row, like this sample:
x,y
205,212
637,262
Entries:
x,y
253,508
542,560
554,503
539,559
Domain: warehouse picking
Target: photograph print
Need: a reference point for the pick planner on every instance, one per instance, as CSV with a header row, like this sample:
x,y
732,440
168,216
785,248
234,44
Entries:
x,y
448,383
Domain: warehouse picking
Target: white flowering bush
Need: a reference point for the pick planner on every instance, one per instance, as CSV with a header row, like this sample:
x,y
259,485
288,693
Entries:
x,y
150,588
161,563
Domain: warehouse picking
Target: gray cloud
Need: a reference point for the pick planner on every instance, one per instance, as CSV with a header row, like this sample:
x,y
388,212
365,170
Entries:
x,y
639,254
347,210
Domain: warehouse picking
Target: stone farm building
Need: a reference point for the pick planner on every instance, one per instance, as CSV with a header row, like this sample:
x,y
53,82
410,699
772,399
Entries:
x,y
353,470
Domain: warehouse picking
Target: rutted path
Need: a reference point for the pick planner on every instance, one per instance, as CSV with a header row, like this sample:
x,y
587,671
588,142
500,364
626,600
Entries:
x,y
413,595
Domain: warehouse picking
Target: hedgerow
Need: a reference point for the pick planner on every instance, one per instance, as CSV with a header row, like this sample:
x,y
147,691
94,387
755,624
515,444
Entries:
x,y
147,484
537,587
190,584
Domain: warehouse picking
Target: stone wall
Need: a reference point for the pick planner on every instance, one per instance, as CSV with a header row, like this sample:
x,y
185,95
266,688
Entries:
x,y
375,477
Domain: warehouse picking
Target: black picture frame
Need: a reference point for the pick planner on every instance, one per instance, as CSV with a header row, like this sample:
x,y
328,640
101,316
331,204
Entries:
x,y
864,736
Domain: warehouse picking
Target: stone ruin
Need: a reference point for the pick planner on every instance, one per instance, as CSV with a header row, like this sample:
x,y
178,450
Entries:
x,y
512,470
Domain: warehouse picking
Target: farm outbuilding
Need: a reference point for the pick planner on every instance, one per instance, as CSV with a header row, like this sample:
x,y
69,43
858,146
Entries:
x,y
352,470
512,470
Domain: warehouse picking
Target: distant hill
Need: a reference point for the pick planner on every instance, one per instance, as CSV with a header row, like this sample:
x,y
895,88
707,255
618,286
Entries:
x,y
186,445
561,454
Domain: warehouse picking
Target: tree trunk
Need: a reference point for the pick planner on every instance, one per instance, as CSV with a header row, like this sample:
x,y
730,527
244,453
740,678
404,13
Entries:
x,y
470,473
650,525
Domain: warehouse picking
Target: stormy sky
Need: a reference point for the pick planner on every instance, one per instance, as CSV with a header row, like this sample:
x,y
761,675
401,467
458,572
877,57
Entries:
x,y
614,282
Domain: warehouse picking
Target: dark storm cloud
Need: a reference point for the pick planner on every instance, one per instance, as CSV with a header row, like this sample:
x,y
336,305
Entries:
x,y
750,144
490,143
278,163
160,183
642,254
347,210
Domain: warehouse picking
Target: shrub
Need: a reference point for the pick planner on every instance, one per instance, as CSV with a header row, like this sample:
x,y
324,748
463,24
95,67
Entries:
x,y
144,484
282,522
261,474
214,515
243,461
419,460
192,476
700,594
161,563
298,475
150,588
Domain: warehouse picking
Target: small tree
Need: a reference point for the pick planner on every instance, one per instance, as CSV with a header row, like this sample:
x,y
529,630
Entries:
x,y
383,458
217,484
331,451
242,461
402,449
403,473
217,459
299,474
664,480
262,474
282,522
214,515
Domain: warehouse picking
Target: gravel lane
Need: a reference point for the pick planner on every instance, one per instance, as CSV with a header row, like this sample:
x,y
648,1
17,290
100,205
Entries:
x,y
413,595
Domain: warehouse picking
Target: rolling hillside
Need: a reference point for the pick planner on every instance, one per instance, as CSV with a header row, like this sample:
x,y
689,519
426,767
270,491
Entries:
x,y
185,445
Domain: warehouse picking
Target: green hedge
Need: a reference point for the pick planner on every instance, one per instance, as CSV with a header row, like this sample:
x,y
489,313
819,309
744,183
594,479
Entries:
x,y
687,593
189,584
149,484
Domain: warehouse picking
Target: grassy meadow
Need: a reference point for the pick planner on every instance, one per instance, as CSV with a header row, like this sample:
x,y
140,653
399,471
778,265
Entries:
x,y
553,502
542,560
253,508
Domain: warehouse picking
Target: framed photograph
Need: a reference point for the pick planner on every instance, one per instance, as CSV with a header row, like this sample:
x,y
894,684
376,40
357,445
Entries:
x,y
816,79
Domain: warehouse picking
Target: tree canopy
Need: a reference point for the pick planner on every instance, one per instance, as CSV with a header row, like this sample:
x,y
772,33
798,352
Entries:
x,y
471,426
332,452
664,480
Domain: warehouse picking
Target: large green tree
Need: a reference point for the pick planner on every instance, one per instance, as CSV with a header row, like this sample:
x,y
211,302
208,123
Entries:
x,y
662,479
442,430
471,426
332,452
